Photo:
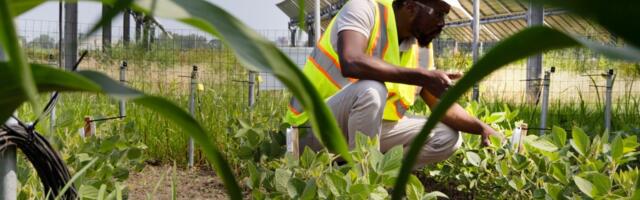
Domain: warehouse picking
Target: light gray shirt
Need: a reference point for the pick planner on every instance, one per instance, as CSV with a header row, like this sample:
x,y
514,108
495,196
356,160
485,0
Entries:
x,y
359,16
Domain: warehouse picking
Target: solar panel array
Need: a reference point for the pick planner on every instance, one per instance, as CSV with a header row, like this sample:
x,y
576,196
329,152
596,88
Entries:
x,y
499,19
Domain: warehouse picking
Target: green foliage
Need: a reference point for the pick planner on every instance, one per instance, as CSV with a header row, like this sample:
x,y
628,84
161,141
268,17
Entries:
x,y
317,175
550,168
583,167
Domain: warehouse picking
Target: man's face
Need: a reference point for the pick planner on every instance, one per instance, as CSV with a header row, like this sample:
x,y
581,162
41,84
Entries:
x,y
429,20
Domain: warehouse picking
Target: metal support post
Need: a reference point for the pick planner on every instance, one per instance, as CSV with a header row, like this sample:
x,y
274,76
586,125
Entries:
x,y
476,37
52,114
252,82
8,163
9,187
126,18
192,108
123,80
608,100
317,21
106,29
293,36
70,34
535,17
545,99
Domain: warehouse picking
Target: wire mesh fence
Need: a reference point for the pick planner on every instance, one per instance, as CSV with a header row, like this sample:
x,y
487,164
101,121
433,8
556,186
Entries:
x,y
579,74
161,64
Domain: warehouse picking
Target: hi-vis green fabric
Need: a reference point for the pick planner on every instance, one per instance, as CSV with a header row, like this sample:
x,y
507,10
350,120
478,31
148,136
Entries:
x,y
323,67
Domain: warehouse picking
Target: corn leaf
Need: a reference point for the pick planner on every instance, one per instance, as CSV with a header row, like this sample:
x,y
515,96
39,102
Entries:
x,y
616,16
258,54
21,6
48,79
18,66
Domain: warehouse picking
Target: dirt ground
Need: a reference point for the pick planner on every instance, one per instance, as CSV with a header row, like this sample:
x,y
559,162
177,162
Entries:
x,y
194,184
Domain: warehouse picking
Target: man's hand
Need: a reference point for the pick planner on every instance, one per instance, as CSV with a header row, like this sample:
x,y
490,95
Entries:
x,y
438,81
488,131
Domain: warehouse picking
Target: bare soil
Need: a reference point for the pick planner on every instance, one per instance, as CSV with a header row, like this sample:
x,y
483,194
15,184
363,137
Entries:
x,y
196,183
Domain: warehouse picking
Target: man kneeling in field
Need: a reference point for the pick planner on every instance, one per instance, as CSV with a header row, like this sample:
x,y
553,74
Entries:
x,y
366,66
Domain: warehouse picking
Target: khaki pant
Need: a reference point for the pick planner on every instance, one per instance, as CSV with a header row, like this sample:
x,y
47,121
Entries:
x,y
359,107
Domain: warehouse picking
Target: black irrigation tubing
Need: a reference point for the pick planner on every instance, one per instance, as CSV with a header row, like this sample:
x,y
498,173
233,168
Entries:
x,y
50,167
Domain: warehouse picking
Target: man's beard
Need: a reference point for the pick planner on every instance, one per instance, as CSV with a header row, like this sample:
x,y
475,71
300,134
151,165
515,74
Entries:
x,y
425,39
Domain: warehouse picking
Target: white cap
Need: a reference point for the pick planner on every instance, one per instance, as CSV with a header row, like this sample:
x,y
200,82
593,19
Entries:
x,y
454,4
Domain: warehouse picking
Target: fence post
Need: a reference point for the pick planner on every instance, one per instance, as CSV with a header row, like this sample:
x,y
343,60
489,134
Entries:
x,y
52,114
476,37
545,99
123,80
252,81
8,175
608,99
192,110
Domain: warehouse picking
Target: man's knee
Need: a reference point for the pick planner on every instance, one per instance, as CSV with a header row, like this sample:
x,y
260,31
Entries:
x,y
372,91
440,146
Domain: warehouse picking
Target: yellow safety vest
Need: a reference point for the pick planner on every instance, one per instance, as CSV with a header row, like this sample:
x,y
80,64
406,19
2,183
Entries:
x,y
323,67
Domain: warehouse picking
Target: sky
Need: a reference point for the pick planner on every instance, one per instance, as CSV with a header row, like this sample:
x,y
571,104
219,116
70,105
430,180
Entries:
x,y
260,15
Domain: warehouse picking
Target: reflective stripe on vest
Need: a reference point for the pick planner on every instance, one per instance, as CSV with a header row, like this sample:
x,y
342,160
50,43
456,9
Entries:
x,y
324,71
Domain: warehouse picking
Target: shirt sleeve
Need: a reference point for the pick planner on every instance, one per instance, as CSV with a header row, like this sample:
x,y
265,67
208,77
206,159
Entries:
x,y
357,15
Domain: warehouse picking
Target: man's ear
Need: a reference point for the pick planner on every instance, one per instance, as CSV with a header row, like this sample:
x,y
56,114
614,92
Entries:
x,y
411,8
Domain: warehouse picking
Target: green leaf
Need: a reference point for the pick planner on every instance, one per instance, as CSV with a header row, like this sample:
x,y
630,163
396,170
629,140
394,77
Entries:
x,y
636,194
496,117
415,191
522,44
88,191
584,185
559,172
379,194
337,183
630,144
301,14
516,182
295,187
435,195
553,190
310,190
617,148
307,158
559,136
613,16
580,141
281,179
359,189
601,183
543,145
102,192
391,161
75,177
258,54
21,6
134,153
473,158
502,167
117,7
18,67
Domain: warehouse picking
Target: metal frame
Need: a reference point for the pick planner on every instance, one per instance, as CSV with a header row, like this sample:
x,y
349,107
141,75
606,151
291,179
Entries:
x,y
503,18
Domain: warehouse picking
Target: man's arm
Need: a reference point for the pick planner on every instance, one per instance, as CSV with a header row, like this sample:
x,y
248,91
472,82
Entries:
x,y
355,63
458,119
